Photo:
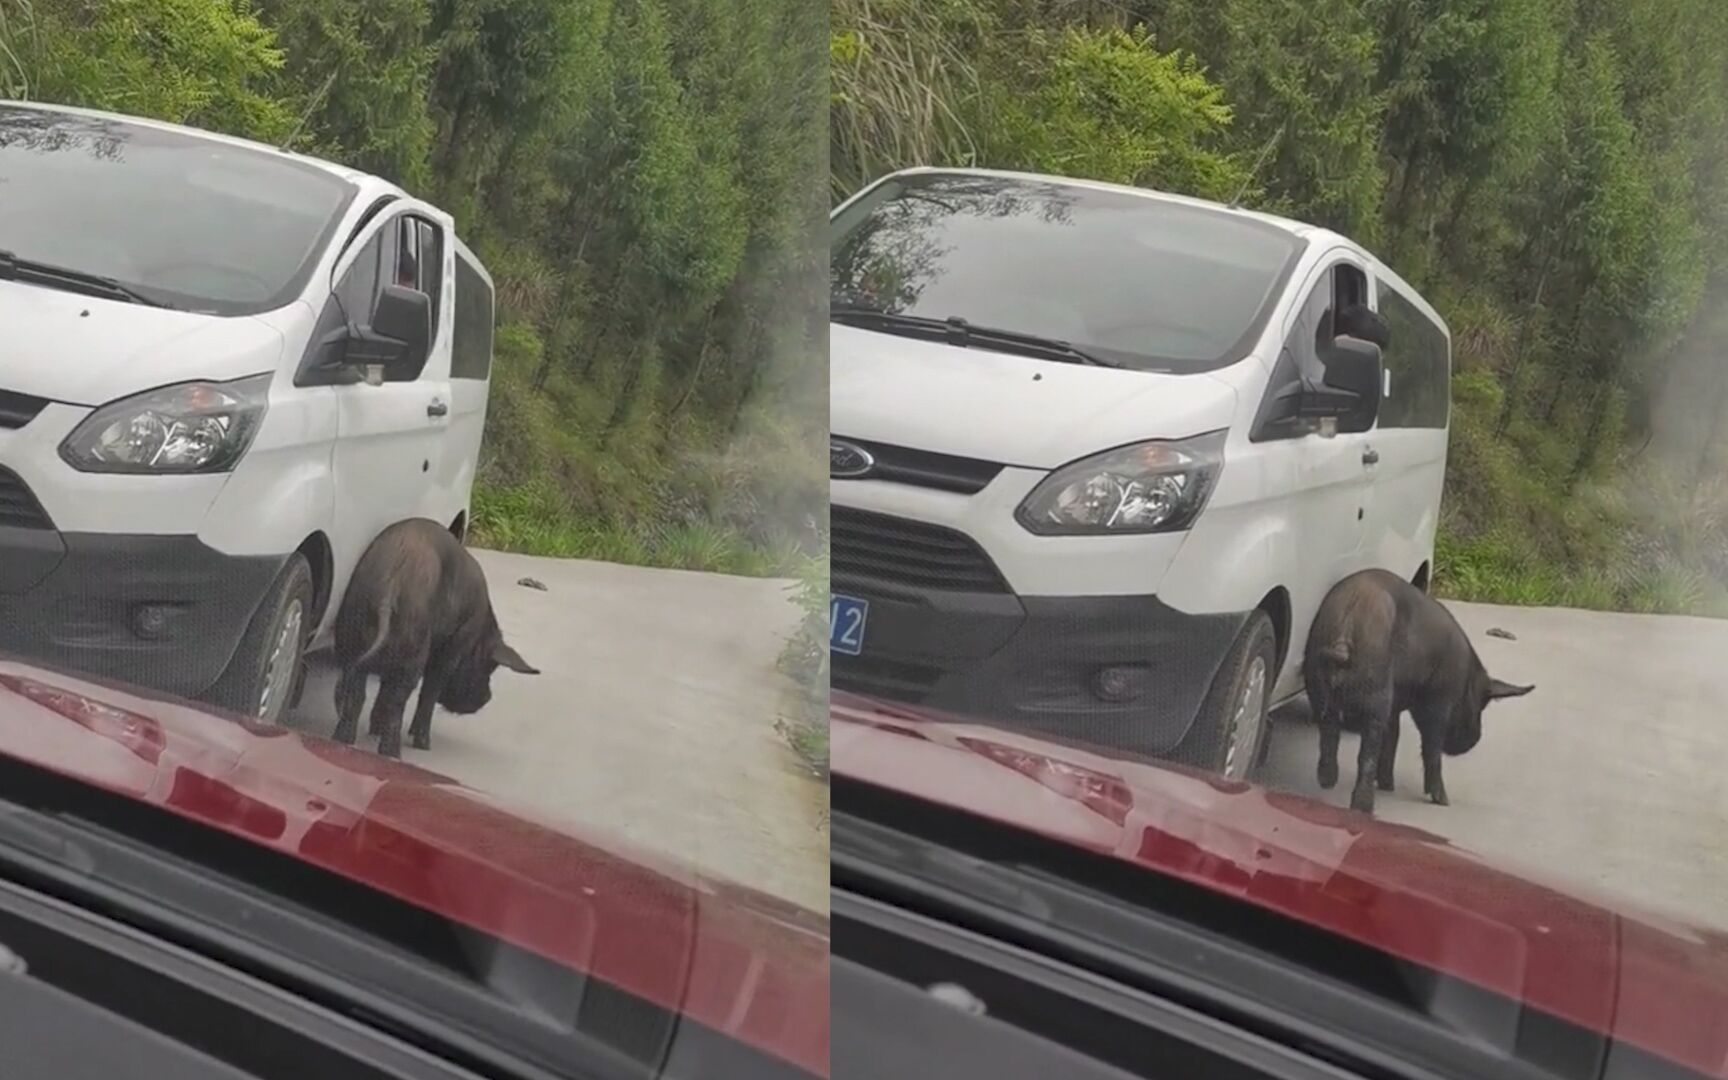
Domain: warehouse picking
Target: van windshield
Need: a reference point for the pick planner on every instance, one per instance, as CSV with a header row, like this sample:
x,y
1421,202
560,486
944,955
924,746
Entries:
x,y
1143,282
181,220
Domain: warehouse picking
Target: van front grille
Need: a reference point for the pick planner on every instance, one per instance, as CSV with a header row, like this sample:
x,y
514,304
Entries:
x,y
17,409
926,468
18,506
877,547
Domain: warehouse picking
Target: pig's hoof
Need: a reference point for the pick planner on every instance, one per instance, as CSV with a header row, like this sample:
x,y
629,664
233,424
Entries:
x,y
420,742
1362,800
1385,784
1440,798
1327,775
343,735
391,749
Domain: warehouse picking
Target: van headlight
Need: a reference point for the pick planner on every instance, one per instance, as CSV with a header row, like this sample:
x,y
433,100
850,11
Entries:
x,y
196,427
1144,488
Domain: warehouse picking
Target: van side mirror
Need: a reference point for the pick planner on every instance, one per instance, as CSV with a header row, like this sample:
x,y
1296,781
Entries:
x,y
399,335
1355,367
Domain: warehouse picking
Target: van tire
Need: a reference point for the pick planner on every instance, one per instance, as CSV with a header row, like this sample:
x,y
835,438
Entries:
x,y
1252,659
242,686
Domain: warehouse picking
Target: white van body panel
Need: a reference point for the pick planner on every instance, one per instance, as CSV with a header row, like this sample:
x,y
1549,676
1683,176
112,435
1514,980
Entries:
x,y
1286,520
329,466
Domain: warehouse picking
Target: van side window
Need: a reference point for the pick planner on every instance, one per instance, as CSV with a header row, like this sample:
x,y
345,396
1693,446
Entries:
x,y
1418,360
471,346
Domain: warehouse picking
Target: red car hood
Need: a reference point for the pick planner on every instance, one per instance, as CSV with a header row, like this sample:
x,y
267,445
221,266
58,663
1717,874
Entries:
x,y
1636,977
739,961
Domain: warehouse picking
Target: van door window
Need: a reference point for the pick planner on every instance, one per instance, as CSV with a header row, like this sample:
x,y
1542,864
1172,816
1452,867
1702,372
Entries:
x,y
1299,364
407,254
358,289
431,268
419,261
1313,330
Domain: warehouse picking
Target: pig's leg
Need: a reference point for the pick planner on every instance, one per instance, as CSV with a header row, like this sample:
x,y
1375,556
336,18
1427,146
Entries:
x,y
393,691
432,682
1327,719
1374,714
1389,752
431,685
350,699
1431,727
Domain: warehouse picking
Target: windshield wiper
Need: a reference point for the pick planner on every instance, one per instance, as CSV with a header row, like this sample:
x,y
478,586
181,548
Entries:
x,y
958,331
12,268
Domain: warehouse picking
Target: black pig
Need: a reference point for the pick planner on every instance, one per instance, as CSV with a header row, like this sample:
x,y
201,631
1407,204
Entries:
x,y
1380,647
417,612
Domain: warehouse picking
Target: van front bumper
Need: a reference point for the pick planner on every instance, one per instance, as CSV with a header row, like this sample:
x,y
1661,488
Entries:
x,y
159,612
1040,663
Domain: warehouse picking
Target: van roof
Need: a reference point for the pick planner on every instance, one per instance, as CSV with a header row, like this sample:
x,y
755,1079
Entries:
x,y
343,171
1295,228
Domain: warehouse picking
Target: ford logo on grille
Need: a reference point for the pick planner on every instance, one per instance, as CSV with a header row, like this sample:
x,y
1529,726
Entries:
x,y
848,461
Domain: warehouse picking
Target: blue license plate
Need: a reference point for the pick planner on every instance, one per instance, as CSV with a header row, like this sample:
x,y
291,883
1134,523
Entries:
x,y
846,618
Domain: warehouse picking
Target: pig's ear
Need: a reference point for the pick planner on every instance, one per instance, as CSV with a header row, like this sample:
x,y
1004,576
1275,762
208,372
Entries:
x,y
512,659
1498,689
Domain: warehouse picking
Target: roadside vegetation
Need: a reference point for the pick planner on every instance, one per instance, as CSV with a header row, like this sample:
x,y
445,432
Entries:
x,y
643,179
805,660
1553,174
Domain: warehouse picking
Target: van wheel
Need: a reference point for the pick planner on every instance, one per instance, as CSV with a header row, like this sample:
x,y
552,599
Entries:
x,y
1230,732
263,677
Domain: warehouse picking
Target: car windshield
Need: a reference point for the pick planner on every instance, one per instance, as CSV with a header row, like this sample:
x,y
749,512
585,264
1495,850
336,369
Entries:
x,y
1147,282
184,220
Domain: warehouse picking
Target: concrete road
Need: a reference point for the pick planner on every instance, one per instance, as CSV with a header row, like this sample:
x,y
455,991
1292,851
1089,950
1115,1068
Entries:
x,y
1611,774
653,719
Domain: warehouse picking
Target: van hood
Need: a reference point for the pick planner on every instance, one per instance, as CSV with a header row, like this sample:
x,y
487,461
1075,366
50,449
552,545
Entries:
x,y
84,350
1012,410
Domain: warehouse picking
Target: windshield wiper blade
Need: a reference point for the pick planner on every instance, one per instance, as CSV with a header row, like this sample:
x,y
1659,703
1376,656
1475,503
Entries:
x,y
12,268
961,332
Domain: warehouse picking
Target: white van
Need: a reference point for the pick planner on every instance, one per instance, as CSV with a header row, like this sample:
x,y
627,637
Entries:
x,y
224,369
1098,453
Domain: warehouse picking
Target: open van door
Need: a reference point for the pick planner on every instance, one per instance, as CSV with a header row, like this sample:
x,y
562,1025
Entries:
x,y
1330,472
